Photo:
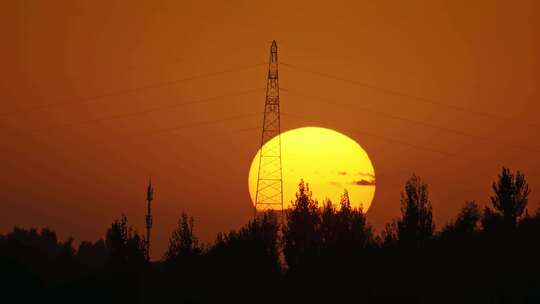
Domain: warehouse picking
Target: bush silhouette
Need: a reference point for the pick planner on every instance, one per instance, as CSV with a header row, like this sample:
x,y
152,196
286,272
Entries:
x,y
326,253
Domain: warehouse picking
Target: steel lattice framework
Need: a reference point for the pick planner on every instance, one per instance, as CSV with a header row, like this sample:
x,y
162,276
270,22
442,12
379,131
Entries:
x,y
269,195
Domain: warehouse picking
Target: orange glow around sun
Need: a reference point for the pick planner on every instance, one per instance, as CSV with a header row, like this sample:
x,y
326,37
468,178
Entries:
x,y
328,160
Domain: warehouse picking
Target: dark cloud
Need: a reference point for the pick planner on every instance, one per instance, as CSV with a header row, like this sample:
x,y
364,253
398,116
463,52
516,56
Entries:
x,y
367,175
364,182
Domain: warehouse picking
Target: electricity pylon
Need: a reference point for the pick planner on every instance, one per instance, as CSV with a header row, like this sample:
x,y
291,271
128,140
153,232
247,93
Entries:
x,y
269,195
149,198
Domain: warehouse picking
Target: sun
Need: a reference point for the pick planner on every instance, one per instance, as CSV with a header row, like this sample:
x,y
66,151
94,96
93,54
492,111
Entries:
x,y
328,160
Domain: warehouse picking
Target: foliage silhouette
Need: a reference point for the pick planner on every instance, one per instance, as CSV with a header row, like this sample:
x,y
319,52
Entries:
x,y
183,244
345,231
92,254
301,234
467,221
416,223
248,258
326,253
126,248
510,197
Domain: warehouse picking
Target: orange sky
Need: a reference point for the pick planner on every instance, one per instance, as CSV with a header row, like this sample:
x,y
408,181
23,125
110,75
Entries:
x,y
78,144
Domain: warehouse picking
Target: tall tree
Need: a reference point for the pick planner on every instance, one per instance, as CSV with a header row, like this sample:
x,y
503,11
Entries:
x,y
328,223
257,242
301,233
124,245
351,228
247,257
511,194
183,242
466,221
389,235
416,223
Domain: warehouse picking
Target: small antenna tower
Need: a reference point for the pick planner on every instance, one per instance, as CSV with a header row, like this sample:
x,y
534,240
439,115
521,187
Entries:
x,y
149,199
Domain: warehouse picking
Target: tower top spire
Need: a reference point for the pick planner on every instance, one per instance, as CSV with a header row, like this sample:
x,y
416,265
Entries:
x,y
150,190
273,48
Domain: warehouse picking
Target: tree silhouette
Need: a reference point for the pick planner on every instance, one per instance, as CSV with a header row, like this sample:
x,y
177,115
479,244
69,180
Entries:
x,y
248,257
346,230
389,235
328,224
182,272
344,239
125,246
92,254
356,231
126,261
45,241
301,233
183,242
256,241
322,246
467,220
33,262
511,194
416,223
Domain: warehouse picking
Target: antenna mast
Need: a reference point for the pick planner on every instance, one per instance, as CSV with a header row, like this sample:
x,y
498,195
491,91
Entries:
x,y
149,199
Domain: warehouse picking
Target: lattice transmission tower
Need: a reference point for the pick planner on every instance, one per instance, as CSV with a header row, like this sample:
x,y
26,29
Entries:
x,y
269,195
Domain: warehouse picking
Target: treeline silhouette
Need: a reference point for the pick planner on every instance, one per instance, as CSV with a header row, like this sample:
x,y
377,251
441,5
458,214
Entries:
x,y
321,252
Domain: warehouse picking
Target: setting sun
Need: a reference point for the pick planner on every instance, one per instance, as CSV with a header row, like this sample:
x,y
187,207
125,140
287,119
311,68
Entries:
x,y
328,160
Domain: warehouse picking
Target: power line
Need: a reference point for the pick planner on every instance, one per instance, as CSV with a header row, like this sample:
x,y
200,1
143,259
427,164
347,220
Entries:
x,y
254,128
411,97
207,122
154,109
183,126
127,91
389,139
187,126
421,123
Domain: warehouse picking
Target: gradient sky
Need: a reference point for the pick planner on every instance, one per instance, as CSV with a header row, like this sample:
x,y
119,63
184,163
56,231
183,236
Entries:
x,y
78,143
